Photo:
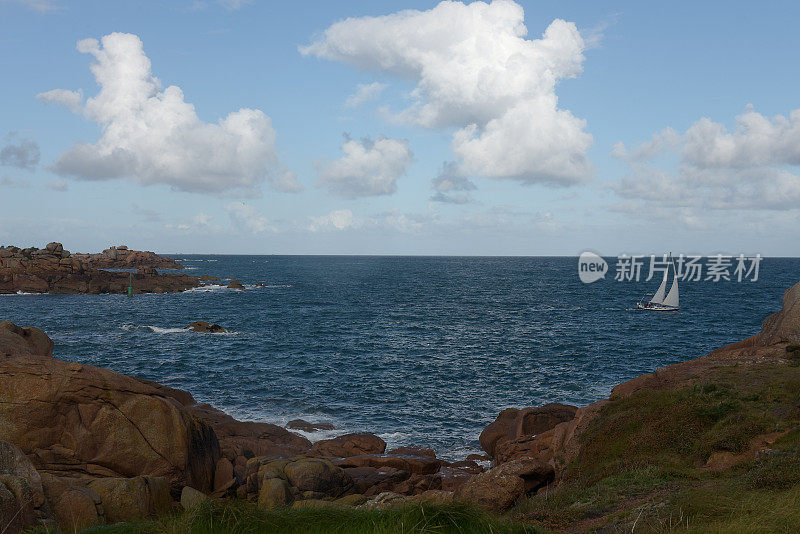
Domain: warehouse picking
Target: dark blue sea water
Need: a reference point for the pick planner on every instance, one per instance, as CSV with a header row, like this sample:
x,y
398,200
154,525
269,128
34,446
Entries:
x,y
420,350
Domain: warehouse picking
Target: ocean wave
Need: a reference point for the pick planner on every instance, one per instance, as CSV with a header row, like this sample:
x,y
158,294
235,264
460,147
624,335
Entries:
x,y
21,293
208,288
265,286
163,330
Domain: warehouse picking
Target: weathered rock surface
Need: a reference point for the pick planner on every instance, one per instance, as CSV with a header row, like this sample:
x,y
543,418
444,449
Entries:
x,y
54,270
191,498
243,440
513,424
74,505
206,327
349,445
22,499
83,421
270,479
370,481
499,488
120,257
420,465
127,499
19,341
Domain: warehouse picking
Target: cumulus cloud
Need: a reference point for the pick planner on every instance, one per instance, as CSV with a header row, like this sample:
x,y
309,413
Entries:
x,y
718,169
22,153
72,100
335,220
248,218
153,136
368,168
365,92
475,71
450,187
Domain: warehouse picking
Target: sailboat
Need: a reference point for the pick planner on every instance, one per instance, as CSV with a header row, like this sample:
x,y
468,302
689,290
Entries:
x,y
659,302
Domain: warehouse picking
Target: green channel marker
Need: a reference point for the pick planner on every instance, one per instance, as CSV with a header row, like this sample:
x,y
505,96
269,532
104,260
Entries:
x,y
130,285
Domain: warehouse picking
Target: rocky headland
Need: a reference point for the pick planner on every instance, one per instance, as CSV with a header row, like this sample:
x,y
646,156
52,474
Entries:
x,y
55,270
81,445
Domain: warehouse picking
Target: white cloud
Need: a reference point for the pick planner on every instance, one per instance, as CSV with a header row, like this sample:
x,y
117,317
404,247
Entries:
x,y
667,139
335,220
368,168
365,92
248,218
756,141
153,136
475,70
72,100
717,169
450,187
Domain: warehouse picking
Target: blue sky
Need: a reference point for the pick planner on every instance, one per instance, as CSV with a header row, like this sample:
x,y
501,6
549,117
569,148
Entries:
x,y
630,128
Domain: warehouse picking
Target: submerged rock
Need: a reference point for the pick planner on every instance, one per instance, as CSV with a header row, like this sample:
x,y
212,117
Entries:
x,y
234,284
203,326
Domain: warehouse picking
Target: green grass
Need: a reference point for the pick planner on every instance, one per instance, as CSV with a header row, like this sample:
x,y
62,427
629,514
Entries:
x,y
641,464
244,518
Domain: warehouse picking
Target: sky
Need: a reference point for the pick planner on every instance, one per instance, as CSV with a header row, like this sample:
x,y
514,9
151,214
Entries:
x,y
383,127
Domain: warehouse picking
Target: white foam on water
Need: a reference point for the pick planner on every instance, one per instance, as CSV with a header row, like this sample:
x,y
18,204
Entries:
x,y
208,288
162,330
21,293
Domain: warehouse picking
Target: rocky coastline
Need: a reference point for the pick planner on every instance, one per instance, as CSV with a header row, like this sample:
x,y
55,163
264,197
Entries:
x,y
82,445
55,270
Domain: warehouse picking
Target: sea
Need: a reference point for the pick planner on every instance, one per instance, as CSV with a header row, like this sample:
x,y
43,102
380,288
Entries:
x,y
421,351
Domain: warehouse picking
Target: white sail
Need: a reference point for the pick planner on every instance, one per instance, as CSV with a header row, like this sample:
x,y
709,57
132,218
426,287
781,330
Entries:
x,y
672,296
658,298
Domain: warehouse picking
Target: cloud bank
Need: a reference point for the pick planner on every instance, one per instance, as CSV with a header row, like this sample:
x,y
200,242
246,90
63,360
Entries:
x,y
152,135
747,168
368,168
475,71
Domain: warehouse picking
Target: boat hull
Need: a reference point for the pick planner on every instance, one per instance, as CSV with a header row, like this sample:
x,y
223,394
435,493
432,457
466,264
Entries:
x,y
656,307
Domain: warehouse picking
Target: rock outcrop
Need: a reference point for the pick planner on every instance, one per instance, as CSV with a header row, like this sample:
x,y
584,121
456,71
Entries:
x,y
22,499
206,327
513,424
242,440
120,257
16,341
82,421
349,445
499,488
54,270
278,482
